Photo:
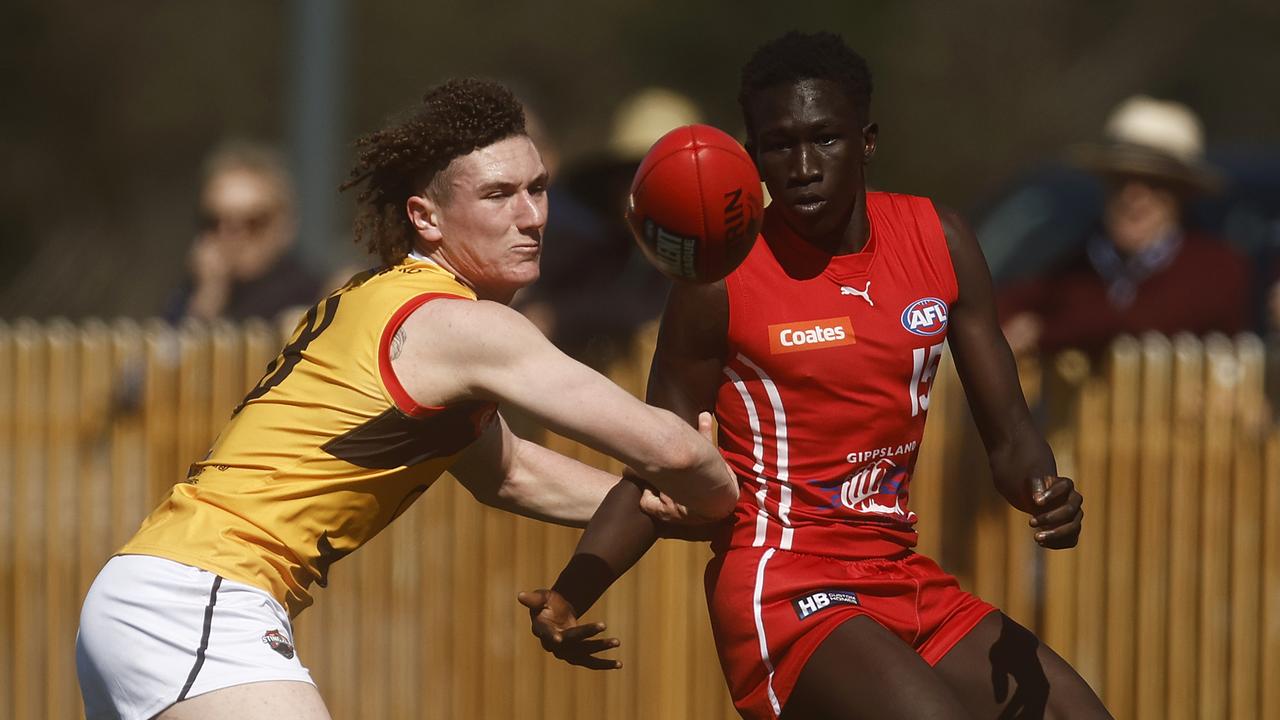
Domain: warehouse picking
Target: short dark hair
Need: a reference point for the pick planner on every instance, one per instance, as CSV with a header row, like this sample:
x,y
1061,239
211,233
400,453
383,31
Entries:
x,y
455,118
800,56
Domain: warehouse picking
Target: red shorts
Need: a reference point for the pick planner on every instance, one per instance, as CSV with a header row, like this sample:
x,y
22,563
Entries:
x,y
770,609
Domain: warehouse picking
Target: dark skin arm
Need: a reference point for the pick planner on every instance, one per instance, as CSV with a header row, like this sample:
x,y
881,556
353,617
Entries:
x,y
1022,464
684,379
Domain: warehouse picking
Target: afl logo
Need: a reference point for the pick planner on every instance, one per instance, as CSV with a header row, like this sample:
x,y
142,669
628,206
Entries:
x,y
926,316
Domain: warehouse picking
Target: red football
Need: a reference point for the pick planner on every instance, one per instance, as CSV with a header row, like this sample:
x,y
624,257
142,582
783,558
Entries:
x,y
696,204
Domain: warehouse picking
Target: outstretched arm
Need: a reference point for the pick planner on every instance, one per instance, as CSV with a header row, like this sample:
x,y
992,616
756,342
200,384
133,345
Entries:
x,y
455,350
1022,463
684,377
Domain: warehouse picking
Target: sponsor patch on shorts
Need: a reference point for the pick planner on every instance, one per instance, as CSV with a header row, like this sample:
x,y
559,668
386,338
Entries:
x,y
818,601
278,642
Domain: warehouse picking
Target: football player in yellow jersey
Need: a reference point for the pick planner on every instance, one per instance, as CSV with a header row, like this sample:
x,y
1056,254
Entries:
x,y
387,383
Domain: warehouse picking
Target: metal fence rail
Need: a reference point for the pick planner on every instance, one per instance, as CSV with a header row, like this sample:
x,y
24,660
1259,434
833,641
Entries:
x,y
1170,606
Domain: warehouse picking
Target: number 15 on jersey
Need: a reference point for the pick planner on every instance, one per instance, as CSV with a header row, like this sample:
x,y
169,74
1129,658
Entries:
x,y
924,367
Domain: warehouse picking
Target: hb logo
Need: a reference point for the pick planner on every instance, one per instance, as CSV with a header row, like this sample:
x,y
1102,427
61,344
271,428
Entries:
x,y
821,600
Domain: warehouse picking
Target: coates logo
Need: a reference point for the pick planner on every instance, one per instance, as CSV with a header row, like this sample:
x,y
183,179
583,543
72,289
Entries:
x,y
810,335
926,316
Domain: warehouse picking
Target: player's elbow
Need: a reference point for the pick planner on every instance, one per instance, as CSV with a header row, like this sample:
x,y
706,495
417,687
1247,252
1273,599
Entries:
x,y
512,492
677,451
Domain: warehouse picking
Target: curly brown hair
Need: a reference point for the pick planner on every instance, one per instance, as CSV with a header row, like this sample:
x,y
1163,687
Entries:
x,y
410,154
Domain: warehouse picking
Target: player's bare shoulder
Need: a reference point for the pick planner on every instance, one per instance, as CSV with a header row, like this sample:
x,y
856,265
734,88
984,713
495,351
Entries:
x,y
955,228
970,266
444,346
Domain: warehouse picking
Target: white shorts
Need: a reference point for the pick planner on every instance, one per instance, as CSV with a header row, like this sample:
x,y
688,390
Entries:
x,y
154,632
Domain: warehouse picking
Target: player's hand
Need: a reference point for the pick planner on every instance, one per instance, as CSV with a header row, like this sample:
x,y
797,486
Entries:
x,y
557,627
675,521
662,508
1058,512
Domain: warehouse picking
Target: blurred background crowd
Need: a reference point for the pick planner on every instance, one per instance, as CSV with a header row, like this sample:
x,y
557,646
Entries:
x,y
1120,161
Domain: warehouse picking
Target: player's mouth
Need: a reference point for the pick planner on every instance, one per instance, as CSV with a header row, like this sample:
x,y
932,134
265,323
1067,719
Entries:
x,y
808,203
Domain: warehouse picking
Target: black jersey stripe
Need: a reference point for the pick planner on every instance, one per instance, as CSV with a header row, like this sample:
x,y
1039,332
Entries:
x,y
204,639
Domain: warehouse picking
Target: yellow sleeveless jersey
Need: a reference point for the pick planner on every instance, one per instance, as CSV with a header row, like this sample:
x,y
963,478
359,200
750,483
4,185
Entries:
x,y
325,450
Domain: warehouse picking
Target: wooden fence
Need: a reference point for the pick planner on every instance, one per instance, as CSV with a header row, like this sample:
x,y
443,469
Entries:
x,y
1170,607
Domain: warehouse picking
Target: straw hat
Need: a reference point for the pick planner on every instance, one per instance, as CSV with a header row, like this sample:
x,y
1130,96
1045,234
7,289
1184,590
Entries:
x,y
646,116
1153,138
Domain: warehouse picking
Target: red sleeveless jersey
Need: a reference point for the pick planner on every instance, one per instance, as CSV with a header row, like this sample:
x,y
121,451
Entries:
x,y
826,385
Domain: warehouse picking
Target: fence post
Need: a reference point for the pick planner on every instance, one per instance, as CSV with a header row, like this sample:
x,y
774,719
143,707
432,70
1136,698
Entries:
x,y
29,472
1269,629
1064,385
1024,558
1125,377
60,522
1246,524
1184,522
1222,377
128,468
166,418
97,405
8,514
1152,514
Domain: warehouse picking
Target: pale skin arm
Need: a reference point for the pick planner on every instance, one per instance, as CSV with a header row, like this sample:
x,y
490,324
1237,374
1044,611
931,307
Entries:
x,y
454,350
509,473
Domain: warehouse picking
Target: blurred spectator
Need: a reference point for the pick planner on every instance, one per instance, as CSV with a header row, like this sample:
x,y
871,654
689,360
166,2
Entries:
x,y
1141,268
243,262
1271,291
596,288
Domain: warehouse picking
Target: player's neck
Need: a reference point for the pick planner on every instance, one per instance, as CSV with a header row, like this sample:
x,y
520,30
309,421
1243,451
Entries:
x,y
438,259
853,234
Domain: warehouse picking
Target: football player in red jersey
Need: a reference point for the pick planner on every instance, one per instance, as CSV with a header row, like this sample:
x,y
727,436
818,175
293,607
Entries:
x,y
819,605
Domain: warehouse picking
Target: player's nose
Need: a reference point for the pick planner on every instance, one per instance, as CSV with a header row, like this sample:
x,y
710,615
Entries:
x,y
532,211
805,168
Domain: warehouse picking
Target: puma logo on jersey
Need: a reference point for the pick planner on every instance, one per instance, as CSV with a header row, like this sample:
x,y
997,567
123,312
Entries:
x,y
926,317
864,293
810,335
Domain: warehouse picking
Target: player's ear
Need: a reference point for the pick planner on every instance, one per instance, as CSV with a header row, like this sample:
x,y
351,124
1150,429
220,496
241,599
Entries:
x,y
424,215
869,135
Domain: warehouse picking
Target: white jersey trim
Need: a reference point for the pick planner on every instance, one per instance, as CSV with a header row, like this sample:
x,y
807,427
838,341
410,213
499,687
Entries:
x,y
780,429
764,643
757,452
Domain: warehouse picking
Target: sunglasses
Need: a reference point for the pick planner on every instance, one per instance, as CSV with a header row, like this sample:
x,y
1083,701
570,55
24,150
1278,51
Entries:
x,y
251,224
